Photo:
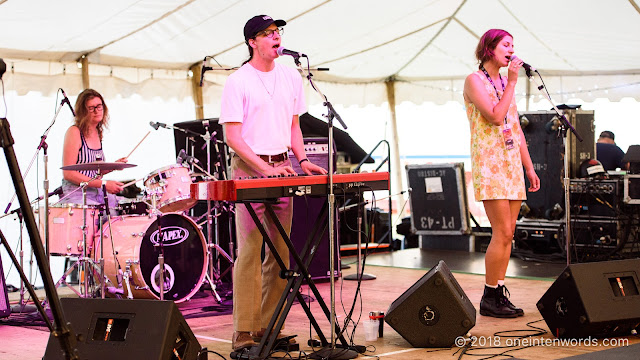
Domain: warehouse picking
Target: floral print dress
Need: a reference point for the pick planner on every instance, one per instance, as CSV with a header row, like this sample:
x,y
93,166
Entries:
x,y
497,171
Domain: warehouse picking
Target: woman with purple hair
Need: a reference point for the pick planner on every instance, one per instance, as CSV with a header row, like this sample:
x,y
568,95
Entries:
x,y
498,154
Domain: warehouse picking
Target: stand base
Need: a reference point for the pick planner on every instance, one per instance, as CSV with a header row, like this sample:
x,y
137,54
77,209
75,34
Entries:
x,y
23,309
356,277
334,354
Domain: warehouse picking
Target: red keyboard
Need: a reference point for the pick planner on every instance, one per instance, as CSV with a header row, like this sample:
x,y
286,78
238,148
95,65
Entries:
x,y
270,188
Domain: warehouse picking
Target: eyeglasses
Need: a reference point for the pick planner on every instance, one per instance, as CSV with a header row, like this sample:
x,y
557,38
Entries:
x,y
269,32
95,108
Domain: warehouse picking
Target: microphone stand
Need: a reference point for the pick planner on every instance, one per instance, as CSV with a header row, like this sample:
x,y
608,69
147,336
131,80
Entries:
x,y
42,145
562,131
331,352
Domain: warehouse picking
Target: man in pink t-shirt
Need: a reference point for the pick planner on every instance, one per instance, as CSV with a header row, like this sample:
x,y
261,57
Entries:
x,y
261,102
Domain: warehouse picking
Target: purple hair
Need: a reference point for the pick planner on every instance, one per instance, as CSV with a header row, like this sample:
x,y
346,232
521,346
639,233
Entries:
x,y
488,43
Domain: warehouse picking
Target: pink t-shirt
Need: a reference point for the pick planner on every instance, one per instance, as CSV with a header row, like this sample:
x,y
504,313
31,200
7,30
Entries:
x,y
265,103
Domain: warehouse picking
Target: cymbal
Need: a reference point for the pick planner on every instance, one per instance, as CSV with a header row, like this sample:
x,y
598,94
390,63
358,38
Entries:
x,y
98,165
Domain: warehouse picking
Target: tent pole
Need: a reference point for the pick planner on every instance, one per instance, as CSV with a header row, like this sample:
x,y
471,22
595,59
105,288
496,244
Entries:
x,y
85,71
396,185
196,90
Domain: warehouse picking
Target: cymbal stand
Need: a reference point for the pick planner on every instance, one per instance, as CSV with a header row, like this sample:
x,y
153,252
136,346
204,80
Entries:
x,y
84,262
359,275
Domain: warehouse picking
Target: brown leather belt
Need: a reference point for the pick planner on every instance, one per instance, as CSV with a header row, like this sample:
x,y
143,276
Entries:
x,y
270,159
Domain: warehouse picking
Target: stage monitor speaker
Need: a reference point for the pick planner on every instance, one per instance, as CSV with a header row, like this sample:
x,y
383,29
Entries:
x,y
126,329
597,299
5,308
434,311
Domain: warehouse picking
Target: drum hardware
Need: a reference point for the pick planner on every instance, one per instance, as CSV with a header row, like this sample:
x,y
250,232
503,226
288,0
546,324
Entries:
x,y
211,219
83,259
100,167
184,256
170,186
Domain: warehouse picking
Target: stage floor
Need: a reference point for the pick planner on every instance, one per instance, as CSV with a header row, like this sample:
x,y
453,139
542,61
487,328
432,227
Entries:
x,y
395,273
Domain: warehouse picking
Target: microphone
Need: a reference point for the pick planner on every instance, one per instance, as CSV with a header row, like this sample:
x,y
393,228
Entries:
x,y
182,156
527,68
57,191
157,125
295,54
205,68
66,100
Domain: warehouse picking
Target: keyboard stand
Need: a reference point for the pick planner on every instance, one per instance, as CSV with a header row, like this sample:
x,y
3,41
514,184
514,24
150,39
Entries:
x,y
300,273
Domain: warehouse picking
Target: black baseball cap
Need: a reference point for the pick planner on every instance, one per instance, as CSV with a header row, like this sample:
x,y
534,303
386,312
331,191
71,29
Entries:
x,y
259,23
607,134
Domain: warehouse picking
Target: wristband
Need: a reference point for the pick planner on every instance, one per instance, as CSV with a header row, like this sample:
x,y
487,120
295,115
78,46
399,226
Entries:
x,y
303,160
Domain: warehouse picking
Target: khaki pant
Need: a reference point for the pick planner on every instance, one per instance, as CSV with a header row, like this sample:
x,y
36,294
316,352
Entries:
x,y
257,286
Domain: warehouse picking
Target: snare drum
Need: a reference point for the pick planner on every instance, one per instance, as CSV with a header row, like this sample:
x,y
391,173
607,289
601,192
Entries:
x,y
65,228
171,185
135,238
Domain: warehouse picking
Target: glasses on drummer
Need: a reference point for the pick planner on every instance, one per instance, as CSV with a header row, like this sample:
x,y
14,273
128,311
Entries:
x,y
269,32
98,107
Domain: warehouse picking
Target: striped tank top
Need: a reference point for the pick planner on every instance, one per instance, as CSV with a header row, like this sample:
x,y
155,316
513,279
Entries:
x,y
87,155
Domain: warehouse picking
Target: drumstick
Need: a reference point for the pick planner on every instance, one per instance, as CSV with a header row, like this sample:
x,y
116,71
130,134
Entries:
x,y
134,149
130,183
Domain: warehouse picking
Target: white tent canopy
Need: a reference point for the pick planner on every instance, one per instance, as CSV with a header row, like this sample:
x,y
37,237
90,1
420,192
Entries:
x,y
426,46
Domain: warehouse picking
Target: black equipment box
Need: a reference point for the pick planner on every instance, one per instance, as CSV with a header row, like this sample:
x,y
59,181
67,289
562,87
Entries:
x,y
631,189
594,197
594,233
438,199
540,236
547,154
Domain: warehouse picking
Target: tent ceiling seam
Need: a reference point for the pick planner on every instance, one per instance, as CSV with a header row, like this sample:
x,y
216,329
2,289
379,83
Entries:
x,y
444,26
534,35
165,15
288,20
464,26
383,44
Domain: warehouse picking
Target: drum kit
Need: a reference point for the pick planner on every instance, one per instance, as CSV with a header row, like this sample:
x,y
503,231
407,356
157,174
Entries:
x,y
148,248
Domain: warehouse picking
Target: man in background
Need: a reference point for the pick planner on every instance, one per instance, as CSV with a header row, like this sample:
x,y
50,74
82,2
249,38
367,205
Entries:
x,y
608,153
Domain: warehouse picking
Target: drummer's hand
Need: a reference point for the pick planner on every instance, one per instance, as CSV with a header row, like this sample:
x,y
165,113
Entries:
x,y
114,187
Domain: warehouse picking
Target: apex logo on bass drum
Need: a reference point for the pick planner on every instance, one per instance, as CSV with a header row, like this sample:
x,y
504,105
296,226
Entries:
x,y
171,235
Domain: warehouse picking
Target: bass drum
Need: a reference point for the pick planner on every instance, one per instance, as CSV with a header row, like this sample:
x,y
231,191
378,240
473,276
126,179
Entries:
x,y
136,244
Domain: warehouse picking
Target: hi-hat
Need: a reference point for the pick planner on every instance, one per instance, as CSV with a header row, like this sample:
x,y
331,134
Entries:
x,y
98,165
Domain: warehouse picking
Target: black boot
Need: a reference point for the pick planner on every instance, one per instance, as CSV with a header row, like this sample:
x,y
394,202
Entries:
x,y
493,304
502,290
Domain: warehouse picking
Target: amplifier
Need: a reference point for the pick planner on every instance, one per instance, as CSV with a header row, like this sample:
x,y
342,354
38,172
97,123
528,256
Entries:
x,y
540,236
595,233
317,151
594,197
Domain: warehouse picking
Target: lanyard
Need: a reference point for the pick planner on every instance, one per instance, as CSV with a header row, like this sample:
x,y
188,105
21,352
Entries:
x,y
494,86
